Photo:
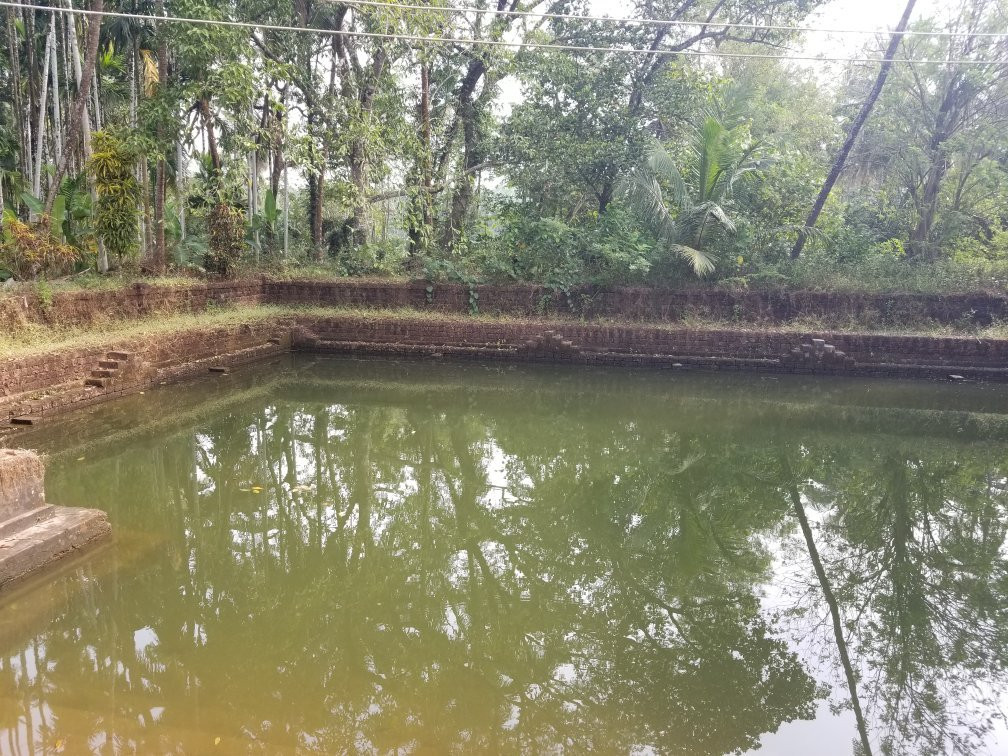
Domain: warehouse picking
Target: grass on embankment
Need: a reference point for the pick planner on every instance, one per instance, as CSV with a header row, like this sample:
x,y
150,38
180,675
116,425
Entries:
x,y
34,338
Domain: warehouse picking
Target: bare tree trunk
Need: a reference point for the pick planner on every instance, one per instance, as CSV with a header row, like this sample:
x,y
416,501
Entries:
x,y
286,212
463,189
158,257
359,178
56,114
102,263
928,207
21,112
40,131
316,187
361,220
180,180
420,227
211,135
855,129
90,63
253,183
97,105
159,253
141,164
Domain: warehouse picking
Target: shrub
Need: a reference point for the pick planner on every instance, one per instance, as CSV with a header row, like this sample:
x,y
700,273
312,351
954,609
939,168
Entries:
x,y
28,251
226,226
605,249
117,211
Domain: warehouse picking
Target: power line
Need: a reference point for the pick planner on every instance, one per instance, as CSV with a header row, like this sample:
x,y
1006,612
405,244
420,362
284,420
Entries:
x,y
462,10
252,26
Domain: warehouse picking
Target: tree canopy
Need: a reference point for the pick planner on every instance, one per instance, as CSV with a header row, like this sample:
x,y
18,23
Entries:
x,y
380,138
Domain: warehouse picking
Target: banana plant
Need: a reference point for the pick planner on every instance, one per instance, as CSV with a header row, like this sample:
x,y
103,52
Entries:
x,y
268,220
57,216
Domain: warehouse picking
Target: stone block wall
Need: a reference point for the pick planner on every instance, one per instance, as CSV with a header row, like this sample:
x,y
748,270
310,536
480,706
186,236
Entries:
x,y
33,533
21,482
84,307
644,304
629,344
45,384
522,300
42,384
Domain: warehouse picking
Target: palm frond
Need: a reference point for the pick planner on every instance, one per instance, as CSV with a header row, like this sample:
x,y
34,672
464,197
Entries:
x,y
643,195
703,264
665,168
709,149
715,211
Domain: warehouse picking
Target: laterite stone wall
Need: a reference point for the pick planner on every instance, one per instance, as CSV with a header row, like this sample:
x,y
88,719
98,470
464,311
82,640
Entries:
x,y
640,304
77,308
629,344
50,383
630,304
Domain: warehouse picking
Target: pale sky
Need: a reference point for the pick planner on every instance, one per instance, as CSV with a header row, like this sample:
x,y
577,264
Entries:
x,y
861,14
837,14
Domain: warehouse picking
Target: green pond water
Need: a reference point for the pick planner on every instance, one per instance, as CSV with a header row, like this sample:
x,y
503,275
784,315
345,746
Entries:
x,y
328,556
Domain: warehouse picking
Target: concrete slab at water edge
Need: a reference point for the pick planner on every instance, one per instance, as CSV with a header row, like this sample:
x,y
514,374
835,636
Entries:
x,y
34,534
21,482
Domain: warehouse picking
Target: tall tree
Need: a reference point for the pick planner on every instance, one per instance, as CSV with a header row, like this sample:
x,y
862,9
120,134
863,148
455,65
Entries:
x,y
80,103
855,127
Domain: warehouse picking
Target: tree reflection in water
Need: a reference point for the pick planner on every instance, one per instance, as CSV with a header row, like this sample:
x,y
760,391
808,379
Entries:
x,y
347,565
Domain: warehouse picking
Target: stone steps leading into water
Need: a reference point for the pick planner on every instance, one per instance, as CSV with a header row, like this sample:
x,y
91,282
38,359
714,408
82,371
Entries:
x,y
64,531
33,534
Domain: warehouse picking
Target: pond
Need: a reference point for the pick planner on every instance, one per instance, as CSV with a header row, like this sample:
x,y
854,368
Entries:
x,y
323,555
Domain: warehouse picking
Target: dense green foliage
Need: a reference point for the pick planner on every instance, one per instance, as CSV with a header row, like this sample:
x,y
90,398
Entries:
x,y
382,155
115,216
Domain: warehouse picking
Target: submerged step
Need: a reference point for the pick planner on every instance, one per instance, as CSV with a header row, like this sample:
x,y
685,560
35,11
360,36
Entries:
x,y
66,531
24,520
33,533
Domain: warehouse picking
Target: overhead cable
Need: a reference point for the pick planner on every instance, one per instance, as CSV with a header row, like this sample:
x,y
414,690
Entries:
x,y
476,42
464,10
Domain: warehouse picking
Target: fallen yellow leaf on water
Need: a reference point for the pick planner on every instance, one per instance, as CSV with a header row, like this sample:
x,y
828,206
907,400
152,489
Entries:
x,y
80,459
216,741
59,744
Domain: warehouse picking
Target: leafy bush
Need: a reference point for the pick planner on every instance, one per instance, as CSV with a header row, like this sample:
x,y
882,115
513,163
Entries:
x,y
116,217
28,251
603,250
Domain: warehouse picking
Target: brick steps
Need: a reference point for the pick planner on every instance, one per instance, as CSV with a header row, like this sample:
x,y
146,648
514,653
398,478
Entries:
x,y
108,370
